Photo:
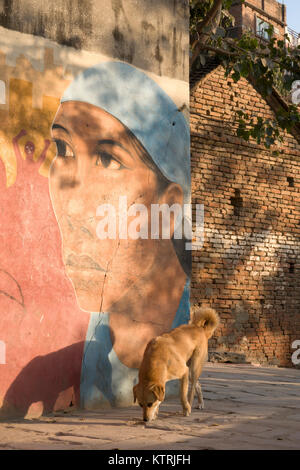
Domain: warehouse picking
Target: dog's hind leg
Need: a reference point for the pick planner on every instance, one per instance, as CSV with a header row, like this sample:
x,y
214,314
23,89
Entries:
x,y
196,365
184,385
200,405
192,391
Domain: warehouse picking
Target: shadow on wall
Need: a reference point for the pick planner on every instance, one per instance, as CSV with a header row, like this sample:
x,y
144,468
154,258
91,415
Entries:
x,y
52,382
255,281
158,43
46,383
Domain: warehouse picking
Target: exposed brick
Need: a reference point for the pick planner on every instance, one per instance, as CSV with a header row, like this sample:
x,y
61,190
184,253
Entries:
x,y
243,269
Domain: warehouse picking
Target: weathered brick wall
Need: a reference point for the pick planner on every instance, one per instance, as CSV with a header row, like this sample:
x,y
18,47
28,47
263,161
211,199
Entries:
x,y
249,266
273,8
269,10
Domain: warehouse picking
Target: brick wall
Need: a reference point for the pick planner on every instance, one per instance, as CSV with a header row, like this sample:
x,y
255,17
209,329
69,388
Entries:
x,y
273,8
249,266
268,10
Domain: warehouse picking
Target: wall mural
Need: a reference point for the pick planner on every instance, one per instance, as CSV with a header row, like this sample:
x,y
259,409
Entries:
x,y
85,283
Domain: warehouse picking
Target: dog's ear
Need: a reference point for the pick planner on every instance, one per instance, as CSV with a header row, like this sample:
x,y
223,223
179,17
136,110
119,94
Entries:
x,y
134,393
158,391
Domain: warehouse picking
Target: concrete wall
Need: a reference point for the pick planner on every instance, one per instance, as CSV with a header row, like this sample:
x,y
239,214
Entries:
x,y
150,34
77,311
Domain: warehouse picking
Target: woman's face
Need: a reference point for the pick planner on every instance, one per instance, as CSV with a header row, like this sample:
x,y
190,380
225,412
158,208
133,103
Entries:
x,y
98,161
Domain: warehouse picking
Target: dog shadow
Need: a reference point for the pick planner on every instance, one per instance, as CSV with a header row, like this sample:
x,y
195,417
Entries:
x,y
52,380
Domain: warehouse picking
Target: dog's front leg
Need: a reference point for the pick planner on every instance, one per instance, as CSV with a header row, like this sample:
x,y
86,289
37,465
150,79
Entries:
x,y
184,385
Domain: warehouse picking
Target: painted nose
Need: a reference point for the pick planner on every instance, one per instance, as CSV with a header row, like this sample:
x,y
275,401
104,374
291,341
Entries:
x,y
146,419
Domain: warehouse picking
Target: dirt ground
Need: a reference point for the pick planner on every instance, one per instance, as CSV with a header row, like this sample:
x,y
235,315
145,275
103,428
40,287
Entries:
x,y
246,407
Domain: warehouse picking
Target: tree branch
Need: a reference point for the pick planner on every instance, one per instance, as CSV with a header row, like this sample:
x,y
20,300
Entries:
x,y
215,9
212,19
236,52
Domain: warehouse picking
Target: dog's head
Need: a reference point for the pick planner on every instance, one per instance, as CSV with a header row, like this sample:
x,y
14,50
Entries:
x,y
149,397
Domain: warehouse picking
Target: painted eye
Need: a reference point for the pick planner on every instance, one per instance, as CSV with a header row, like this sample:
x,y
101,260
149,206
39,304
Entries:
x,y
63,150
149,404
141,405
107,161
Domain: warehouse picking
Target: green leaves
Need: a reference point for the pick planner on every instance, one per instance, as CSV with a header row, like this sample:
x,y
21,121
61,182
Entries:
x,y
263,131
271,63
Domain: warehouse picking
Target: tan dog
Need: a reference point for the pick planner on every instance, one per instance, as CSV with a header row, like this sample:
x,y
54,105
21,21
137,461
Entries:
x,y
179,354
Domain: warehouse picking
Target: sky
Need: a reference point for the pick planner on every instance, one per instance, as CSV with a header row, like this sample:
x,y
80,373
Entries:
x,y
293,13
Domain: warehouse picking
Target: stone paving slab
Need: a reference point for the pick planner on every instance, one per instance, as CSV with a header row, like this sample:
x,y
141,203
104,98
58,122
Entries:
x,y
246,407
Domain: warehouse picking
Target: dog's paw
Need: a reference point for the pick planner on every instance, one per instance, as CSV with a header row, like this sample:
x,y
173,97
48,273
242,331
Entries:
x,y
187,410
200,406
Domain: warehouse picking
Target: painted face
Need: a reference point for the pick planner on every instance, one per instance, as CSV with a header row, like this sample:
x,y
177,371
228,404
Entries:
x,y
29,149
98,161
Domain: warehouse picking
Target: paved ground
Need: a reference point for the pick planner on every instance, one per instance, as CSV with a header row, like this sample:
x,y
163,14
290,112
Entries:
x,y
246,407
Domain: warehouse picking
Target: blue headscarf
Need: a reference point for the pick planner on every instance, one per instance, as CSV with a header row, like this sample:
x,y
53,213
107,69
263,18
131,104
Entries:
x,y
143,107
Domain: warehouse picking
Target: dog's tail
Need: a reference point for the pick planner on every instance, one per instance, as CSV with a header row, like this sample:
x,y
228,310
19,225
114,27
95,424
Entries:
x,y
205,317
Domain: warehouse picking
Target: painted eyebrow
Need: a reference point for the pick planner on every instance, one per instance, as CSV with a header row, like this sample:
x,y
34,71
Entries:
x,y
114,142
58,126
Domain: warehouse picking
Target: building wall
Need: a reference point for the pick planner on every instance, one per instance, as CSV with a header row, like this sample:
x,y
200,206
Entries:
x,y
268,10
249,266
76,310
116,28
